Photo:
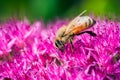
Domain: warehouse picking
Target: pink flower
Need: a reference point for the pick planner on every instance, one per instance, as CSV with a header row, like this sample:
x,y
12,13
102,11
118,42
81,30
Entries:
x,y
28,52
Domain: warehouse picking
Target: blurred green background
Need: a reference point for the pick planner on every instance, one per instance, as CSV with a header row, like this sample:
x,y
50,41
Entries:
x,y
49,10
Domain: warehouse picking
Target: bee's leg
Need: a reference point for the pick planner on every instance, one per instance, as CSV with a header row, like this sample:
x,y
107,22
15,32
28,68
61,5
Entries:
x,y
72,47
89,32
71,43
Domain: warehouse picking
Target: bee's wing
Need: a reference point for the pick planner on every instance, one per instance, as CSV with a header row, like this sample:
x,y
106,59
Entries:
x,y
75,26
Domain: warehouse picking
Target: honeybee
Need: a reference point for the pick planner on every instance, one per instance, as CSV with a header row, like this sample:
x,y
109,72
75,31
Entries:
x,y
75,27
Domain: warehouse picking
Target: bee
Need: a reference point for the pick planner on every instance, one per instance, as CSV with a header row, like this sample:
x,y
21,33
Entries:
x,y
75,27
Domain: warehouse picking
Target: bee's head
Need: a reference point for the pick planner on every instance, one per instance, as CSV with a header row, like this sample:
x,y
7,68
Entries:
x,y
59,44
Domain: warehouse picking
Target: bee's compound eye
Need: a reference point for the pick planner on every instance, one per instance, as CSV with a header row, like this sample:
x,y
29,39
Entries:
x,y
56,43
59,44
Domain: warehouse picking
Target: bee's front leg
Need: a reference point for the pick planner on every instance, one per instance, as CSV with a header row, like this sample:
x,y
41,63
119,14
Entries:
x,y
71,43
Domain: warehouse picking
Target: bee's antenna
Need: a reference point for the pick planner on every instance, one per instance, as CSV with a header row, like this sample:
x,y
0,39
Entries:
x,y
82,12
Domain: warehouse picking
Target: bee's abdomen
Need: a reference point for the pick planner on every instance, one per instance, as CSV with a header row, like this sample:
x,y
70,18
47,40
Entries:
x,y
90,22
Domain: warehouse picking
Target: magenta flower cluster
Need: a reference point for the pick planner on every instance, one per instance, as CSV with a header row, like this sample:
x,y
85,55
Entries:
x,y
27,52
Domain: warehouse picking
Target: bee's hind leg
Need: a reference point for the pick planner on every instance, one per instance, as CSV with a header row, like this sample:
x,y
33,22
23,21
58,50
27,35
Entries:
x,y
89,32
